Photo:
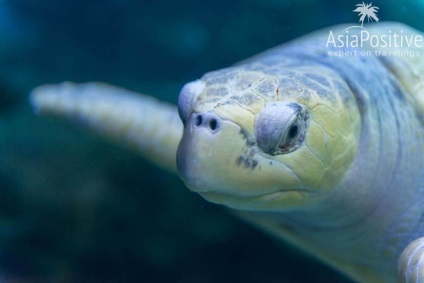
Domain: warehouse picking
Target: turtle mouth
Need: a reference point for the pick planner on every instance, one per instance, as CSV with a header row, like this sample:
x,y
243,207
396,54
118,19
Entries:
x,y
268,201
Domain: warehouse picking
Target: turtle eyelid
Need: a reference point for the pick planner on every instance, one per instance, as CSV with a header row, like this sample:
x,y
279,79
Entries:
x,y
280,127
188,97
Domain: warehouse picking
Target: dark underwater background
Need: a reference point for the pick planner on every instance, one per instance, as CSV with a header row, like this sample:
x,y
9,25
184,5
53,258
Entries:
x,y
77,208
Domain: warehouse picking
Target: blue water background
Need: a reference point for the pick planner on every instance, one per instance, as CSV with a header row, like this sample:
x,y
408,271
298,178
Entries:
x,y
76,208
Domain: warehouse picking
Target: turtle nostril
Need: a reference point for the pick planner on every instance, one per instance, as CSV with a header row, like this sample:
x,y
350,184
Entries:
x,y
207,121
198,120
213,124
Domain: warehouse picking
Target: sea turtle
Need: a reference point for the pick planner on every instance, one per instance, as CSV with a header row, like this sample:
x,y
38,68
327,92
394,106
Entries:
x,y
324,151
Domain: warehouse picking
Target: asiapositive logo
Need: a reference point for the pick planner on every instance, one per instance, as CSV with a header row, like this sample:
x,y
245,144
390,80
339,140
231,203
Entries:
x,y
356,40
365,11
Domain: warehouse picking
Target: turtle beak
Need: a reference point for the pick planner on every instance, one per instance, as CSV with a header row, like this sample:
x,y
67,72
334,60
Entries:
x,y
215,158
208,142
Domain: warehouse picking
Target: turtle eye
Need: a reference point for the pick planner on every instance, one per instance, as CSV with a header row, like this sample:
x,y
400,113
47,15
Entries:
x,y
292,135
188,97
281,127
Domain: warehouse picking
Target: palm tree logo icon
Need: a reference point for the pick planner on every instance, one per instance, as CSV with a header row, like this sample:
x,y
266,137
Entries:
x,y
366,10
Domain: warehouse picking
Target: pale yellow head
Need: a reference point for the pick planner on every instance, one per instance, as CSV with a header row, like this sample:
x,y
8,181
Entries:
x,y
267,140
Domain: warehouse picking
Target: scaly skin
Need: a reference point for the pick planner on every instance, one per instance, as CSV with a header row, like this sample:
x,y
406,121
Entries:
x,y
346,185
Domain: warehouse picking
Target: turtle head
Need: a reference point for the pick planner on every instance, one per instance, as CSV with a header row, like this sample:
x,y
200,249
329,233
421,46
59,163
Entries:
x,y
254,141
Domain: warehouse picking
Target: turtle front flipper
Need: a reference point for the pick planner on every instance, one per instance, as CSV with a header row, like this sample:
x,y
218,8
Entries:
x,y
411,263
148,125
